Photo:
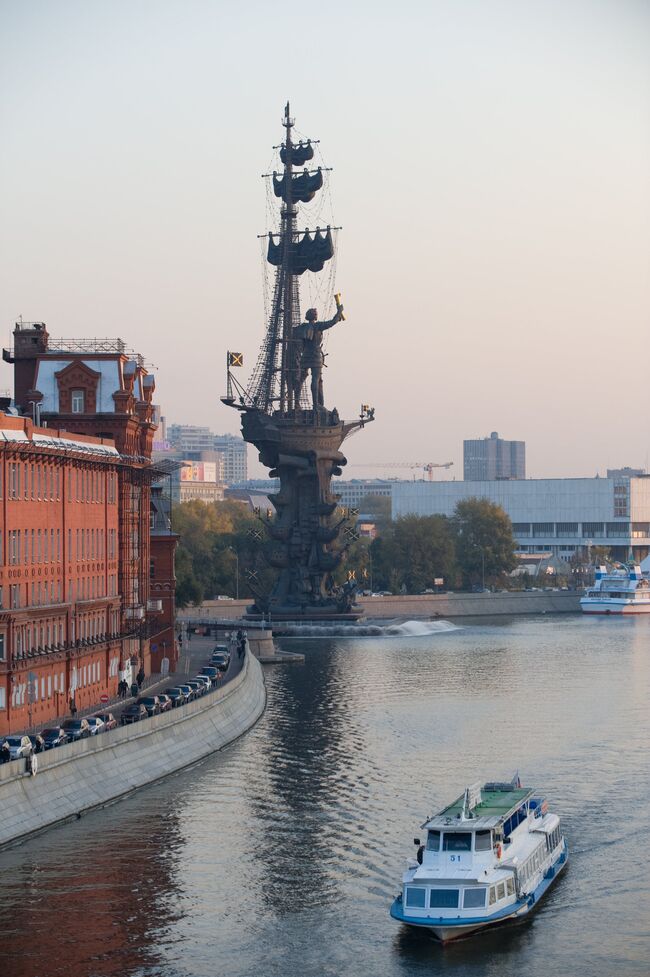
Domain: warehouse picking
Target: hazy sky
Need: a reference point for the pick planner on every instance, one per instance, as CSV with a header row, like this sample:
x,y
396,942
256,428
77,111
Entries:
x,y
491,174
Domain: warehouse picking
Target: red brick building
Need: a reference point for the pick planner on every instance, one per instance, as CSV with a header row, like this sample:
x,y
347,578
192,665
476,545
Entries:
x,y
75,546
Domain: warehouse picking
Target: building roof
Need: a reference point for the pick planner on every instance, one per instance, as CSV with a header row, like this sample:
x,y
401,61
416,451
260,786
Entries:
x,y
495,806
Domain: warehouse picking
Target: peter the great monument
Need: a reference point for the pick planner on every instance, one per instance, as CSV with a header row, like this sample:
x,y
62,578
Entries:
x,y
283,408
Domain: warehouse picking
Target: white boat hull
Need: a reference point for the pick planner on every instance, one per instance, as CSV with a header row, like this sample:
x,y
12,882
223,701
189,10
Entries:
x,y
614,607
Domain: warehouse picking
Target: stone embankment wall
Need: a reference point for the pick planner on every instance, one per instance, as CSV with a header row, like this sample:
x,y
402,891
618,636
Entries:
x,y
424,606
74,779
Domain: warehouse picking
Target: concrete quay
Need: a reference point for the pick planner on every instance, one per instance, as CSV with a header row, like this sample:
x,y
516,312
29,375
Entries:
x,y
93,772
424,606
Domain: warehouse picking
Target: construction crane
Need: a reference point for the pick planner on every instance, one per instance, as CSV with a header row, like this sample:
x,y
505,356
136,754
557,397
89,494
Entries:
x,y
426,466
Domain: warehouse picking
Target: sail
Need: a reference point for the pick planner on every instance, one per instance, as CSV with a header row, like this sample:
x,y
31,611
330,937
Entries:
x,y
300,154
303,187
308,254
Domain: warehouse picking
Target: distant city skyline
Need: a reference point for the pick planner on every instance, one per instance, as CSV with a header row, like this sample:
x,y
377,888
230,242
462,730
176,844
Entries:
x,y
490,173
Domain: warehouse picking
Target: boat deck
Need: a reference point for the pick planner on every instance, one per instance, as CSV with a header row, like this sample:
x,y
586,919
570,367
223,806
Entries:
x,y
494,803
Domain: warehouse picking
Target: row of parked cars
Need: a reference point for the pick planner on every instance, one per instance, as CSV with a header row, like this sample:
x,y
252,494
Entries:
x,y
15,747
178,695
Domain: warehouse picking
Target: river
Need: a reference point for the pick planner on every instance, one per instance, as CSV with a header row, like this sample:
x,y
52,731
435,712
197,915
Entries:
x,y
281,855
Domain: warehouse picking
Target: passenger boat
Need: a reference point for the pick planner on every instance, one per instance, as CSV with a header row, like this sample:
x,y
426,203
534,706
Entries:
x,y
487,858
623,590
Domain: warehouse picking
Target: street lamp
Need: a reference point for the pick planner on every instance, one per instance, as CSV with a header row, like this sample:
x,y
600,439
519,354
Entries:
x,y
233,550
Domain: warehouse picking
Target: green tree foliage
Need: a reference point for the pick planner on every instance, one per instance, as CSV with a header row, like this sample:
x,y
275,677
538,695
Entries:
x,y
377,506
485,546
213,538
412,552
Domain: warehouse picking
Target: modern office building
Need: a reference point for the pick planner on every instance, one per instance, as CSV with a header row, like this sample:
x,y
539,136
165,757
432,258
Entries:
x,y
556,515
489,459
234,454
352,491
189,441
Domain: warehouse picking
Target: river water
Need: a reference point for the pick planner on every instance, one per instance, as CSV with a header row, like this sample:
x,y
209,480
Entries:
x,y
281,855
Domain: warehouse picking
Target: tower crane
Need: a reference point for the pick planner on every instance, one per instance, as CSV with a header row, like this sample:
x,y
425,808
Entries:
x,y
426,466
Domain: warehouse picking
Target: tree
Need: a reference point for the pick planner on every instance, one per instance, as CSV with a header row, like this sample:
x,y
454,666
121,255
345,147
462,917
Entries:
x,y
413,552
216,540
377,506
485,546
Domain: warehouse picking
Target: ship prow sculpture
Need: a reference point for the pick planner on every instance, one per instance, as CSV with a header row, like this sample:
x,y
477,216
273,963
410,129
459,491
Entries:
x,y
283,413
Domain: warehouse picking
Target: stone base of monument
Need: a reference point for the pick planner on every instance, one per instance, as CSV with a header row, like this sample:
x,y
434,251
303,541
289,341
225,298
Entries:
x,y
262,646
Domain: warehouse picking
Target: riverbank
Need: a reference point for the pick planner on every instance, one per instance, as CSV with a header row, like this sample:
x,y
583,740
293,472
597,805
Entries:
x,y
91,773
424,606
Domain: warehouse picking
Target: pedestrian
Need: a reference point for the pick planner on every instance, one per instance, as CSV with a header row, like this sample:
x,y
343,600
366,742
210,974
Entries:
x,y
5,753
140,677
73,707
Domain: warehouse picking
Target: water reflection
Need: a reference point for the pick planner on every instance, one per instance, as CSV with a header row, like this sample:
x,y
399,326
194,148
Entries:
x,y
281,855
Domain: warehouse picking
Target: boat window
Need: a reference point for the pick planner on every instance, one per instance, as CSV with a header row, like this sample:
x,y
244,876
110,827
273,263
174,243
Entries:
x,y
415,896
501,890
483,841
433,841
457,841
474,898
493,895
443,899
510,887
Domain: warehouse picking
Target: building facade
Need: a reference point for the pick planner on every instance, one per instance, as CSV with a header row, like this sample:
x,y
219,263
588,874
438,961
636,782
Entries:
x,y
352,491
234,452
76,611
560,516
489,459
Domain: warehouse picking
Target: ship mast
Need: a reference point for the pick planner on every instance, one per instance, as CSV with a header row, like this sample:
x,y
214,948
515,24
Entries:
x,y
288,227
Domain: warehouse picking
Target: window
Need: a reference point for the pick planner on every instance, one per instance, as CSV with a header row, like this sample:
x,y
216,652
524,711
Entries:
x,y
2,647
433,841
416,896
77,401
493,895
510,887
474,898
501,890
457,841
483,841
443,899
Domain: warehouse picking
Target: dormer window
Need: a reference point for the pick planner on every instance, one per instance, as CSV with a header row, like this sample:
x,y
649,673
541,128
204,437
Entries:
x,y
77,401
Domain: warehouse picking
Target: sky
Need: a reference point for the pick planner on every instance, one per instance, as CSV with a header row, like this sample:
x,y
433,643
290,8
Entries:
x,y
491,164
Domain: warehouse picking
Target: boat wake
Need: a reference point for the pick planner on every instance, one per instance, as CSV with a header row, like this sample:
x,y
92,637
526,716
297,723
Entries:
x,y
419,629
401,629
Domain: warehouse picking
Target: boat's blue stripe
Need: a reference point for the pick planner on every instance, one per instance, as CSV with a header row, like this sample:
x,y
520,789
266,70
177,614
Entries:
x,y
397,909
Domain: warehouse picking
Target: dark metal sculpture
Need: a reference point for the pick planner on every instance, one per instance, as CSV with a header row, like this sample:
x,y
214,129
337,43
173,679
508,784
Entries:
x,y
297,436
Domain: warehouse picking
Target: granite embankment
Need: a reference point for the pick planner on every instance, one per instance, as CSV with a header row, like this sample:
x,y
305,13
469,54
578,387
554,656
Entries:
x,y
90,773
423,605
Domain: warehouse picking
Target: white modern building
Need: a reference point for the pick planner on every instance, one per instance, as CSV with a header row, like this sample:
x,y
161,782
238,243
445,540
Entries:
x,y
352,491
556,515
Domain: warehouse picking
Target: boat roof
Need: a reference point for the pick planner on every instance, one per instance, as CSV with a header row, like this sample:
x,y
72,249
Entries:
x,y
494,807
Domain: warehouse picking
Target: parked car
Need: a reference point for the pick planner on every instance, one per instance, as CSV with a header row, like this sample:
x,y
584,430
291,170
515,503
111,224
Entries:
x,y
38,743
77,729
205,681
223,597
109,720
220,648
197,687
187,691
151,704
96,725
177,696
19,746
165,702
212,671
53,736
133,713
220,662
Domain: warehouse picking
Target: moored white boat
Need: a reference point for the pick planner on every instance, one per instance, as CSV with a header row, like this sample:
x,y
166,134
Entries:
x,y
623,590
487,858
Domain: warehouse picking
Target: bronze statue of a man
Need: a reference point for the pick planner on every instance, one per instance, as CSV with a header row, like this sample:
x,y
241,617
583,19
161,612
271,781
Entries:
x,y
309,356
